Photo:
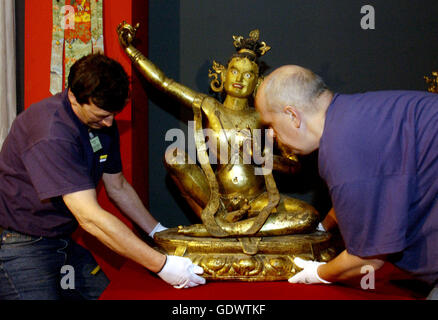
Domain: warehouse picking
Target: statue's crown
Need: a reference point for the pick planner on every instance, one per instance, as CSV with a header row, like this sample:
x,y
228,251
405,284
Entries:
x,y
251,45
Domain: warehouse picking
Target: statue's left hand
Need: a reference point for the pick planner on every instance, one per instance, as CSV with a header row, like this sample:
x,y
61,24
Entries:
x,y
126,33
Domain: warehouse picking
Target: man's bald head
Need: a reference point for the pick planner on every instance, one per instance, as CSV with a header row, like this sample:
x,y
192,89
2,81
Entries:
x,y
290,85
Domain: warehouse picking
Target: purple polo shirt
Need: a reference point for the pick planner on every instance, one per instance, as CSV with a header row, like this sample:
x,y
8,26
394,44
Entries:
x,y
48,154
379,156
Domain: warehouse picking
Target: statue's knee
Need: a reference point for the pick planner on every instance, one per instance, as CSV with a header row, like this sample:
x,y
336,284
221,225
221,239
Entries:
x,y
309,215
311,218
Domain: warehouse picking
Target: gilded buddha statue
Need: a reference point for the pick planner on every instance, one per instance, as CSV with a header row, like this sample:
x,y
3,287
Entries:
x,y
249,231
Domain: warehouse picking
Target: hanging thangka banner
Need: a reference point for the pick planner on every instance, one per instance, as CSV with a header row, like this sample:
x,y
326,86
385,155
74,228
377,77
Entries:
x,y
77,31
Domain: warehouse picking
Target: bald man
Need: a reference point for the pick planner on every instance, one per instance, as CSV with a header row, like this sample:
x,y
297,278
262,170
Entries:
x,y
378,153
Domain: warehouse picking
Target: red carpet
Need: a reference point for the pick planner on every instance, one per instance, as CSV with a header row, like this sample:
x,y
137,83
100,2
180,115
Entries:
x,y
136,283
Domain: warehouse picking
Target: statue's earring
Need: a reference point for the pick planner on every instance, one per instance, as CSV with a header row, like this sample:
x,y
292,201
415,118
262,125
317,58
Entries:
x,y
215,84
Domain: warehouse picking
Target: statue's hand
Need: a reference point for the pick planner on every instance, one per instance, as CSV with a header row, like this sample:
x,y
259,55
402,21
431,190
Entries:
x,y
237,215
126,33
197,230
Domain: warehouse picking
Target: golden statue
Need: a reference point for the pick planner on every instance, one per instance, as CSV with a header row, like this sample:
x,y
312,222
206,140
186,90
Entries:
x,y
432,82
249,231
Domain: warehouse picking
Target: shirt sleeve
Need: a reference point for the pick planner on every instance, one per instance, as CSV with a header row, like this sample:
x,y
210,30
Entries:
x,y
57,167
373,214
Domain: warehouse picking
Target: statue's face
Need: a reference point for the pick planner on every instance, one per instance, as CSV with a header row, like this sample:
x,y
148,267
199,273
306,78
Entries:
x,y
241,77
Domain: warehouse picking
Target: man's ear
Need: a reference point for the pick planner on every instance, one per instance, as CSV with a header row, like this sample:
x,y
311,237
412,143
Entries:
x,y
294,114
72,97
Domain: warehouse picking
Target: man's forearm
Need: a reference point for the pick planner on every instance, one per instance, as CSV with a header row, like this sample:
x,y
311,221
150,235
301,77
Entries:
x,y
346,266
117,236
127,199
111,231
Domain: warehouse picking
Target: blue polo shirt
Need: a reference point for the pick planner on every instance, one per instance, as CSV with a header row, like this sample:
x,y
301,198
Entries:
x,y
379,156
48,154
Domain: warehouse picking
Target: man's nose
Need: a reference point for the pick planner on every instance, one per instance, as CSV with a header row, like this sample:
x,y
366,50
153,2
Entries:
x,y
108,121
271,132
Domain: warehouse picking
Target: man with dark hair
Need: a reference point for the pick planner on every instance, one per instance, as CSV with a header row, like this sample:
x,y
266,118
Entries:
x,y
50,164
378,153
100,78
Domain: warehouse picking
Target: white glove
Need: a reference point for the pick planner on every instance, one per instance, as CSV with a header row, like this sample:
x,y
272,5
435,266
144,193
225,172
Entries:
x,y
180,272
309,274
157,228
320,227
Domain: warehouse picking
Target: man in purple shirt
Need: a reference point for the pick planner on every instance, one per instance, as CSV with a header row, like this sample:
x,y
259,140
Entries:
x,y
50,164
378,153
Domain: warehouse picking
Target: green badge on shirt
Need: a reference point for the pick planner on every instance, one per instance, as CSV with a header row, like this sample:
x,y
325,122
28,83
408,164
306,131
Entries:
x,y
95,144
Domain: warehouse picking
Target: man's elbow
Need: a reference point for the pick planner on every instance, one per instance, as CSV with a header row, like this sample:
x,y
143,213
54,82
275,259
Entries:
x,y
377,263
84,207
114,187
112,192
86,223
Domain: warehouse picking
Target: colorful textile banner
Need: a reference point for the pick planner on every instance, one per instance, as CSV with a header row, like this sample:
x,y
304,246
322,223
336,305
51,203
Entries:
x,y
77,31
57,49
97,26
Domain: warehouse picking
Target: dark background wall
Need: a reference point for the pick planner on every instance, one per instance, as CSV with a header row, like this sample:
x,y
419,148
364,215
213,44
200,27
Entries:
x,y
323,35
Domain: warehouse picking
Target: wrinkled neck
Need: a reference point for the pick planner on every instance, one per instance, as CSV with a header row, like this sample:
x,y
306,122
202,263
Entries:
x,y
318,122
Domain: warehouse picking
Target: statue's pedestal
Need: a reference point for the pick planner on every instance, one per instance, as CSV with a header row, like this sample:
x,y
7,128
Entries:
x,y
248,258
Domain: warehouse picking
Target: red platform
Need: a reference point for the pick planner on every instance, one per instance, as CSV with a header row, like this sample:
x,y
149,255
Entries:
x,y
133,282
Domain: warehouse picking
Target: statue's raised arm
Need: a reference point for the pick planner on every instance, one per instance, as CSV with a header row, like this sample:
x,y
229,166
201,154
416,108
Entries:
x,y
150,71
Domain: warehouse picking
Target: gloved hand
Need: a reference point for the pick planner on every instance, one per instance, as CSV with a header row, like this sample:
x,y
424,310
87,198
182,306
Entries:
x,y
180,272
157,228
309,274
